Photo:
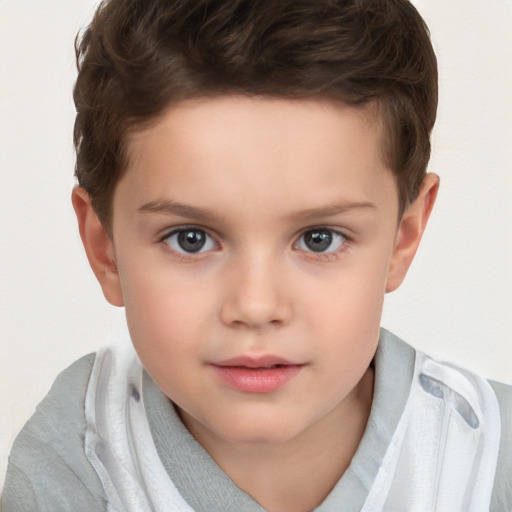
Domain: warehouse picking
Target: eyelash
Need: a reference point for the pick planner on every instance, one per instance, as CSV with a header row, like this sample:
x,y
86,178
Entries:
x,y
329,255
184,229
334,237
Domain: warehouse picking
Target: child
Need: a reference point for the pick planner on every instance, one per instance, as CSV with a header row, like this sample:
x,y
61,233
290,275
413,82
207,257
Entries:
x,y
252,180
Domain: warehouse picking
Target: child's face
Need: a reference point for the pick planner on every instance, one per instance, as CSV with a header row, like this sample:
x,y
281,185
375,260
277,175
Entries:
x,y
259,229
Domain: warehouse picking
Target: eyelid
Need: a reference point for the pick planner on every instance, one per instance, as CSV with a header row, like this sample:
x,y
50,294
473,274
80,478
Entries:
x,y
336,231
168,233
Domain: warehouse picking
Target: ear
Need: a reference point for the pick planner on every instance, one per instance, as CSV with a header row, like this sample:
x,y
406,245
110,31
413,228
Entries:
x,y
98,246
410,230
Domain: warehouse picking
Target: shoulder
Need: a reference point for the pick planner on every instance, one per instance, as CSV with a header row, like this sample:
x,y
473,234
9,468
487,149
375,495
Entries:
x,y
473,387
48,469
503,394
501,500
502,493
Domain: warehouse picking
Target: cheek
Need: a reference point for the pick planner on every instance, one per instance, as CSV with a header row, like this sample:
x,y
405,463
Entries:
x,y
351,293
166,331
165,313
346,313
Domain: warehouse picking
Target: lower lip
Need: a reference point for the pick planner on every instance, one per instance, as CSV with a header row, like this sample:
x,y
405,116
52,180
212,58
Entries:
x,y
256,380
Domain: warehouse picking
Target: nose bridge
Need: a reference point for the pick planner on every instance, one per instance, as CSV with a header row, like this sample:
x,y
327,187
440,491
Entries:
x,y
256,295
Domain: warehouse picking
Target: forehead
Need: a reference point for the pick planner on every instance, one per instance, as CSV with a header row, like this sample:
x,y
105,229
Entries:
x,y
252,116
258,149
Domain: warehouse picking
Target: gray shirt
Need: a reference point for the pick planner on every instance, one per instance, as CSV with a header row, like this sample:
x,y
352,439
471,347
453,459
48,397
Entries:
x,y
49,472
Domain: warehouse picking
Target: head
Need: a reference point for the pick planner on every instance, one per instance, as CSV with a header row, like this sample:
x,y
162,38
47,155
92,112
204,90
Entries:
x,y
252,180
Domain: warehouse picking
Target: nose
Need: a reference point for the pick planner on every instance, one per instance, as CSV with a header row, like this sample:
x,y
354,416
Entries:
x,y
257,296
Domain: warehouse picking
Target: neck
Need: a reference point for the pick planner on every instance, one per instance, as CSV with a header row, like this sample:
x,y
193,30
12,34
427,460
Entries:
x,y
298,474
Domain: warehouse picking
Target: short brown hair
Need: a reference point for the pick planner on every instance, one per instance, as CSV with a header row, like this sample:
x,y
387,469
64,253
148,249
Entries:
x,y
137,57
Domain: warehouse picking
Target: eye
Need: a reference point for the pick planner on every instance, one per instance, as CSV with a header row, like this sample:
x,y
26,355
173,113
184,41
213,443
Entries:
x,y
320,240
189,241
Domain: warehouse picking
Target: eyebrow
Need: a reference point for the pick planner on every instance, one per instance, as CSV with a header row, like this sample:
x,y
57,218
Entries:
x,y
337,208
168,207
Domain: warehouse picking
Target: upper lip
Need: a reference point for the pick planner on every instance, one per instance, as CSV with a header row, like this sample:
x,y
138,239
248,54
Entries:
x,y
266,361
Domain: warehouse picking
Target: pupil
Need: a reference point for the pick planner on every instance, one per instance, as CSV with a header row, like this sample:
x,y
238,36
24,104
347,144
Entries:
x,y
192,240
318,241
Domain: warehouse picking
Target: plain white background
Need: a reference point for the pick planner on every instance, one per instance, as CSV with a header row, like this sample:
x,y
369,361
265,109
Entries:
x,y
456,303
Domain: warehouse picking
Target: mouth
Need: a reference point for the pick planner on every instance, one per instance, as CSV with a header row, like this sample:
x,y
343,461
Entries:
x,y
265,374
262,362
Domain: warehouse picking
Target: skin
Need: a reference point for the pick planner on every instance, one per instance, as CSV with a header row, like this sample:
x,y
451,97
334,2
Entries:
x,y
256,174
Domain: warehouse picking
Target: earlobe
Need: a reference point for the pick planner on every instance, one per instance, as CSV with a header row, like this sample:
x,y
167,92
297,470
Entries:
x,y
98,247
411,228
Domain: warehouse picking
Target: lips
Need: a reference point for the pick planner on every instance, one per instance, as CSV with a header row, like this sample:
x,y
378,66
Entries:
x,y
256,362
265,374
